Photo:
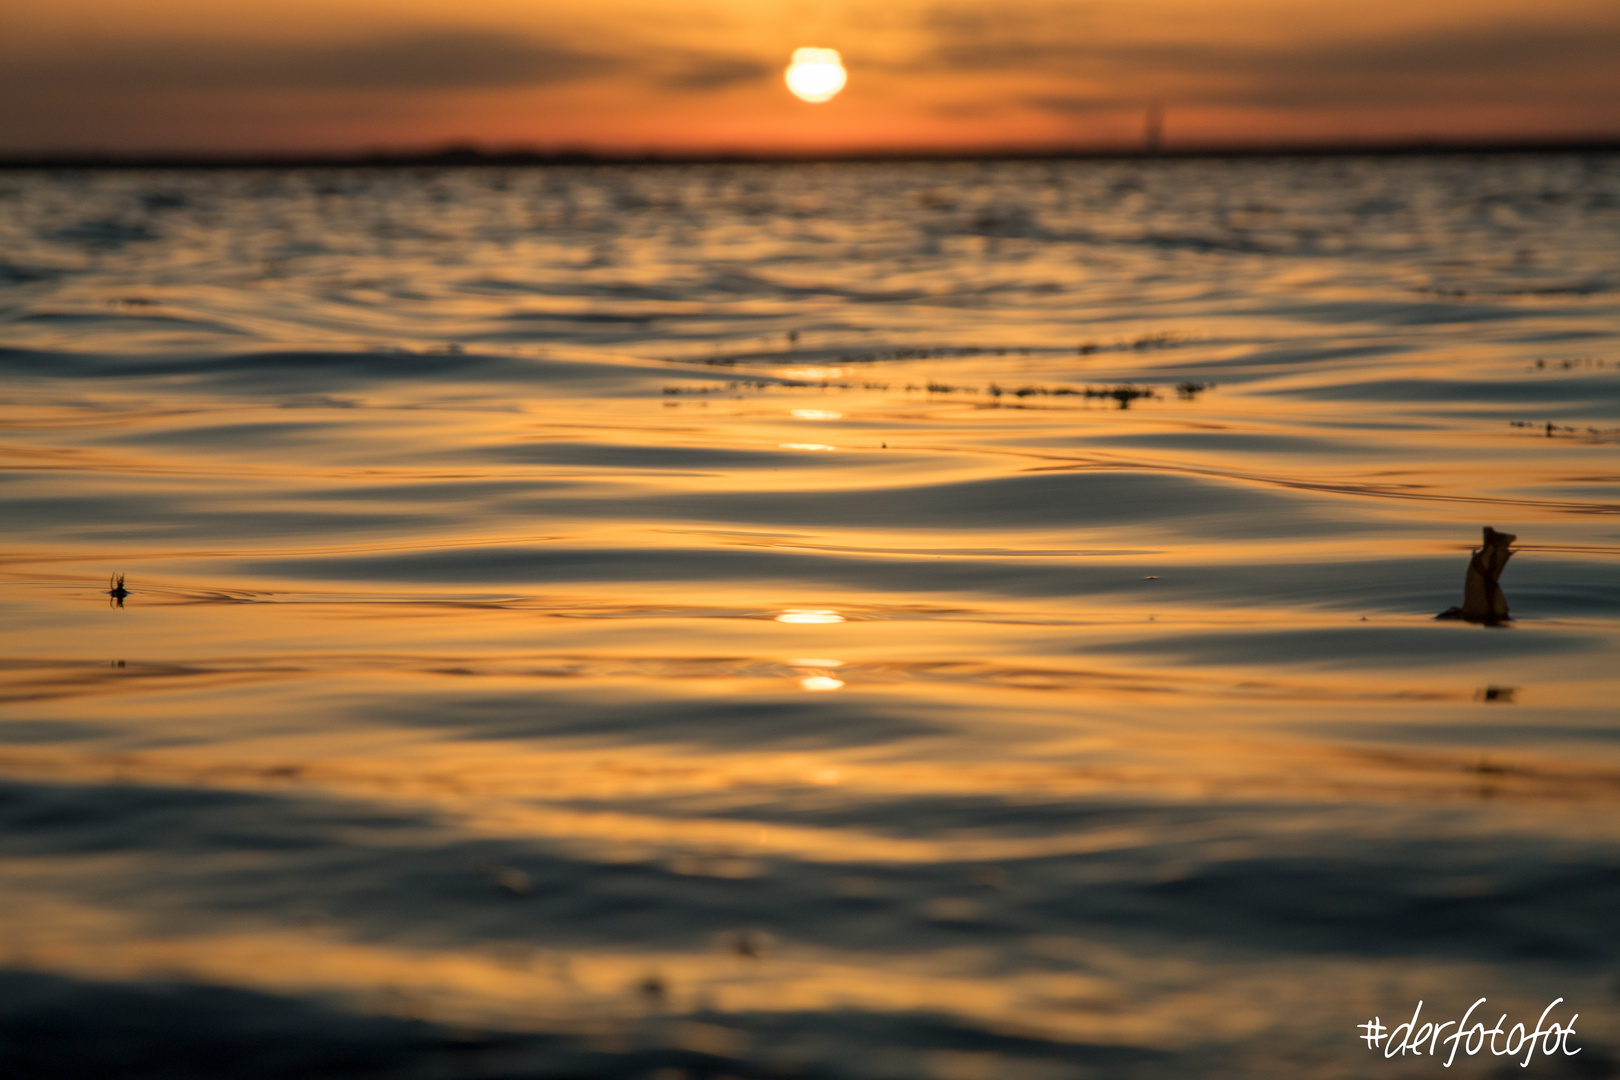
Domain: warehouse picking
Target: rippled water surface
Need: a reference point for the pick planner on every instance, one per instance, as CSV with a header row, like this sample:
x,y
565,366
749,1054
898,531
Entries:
x,y
964,621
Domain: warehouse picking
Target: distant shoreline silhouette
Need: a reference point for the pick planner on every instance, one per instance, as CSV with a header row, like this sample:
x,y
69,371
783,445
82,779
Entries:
x,y
471,156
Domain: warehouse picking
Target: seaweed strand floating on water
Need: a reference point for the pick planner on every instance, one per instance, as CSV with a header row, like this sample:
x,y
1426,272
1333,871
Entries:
x,y
1483,600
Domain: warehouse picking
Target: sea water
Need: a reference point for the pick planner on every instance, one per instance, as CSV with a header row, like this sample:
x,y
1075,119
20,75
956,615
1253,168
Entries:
x,y
961,620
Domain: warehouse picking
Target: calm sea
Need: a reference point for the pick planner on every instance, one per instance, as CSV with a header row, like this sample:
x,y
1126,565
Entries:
x,y
963,621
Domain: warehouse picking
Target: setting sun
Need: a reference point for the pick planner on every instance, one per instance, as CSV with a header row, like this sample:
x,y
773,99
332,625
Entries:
x,y
816,75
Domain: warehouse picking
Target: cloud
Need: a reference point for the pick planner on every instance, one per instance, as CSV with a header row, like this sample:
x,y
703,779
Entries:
x,y
1499,64
449,59
421,61
1080,105
1504,63
717,72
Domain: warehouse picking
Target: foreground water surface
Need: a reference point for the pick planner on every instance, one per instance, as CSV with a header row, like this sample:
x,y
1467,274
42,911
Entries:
x,y
964,621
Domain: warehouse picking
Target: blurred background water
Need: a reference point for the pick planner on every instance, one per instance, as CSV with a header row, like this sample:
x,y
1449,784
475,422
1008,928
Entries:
x,y
945,620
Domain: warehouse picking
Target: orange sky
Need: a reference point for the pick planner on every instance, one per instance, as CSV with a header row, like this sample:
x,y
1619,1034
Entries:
x,y
706,75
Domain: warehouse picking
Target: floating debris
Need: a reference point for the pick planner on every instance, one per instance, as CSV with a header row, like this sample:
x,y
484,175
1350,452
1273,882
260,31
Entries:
x,y
507,878
1553,431
1570,364
513,880
653,989
116,590
750,944
991,877
1125,395
1164,339
1483,601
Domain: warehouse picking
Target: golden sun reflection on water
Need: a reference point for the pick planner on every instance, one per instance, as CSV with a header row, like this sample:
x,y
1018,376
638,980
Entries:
x,y
820,682
810,616
811,374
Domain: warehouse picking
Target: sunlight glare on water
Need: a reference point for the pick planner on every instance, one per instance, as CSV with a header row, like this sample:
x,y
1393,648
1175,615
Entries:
x,y
809,616
467,517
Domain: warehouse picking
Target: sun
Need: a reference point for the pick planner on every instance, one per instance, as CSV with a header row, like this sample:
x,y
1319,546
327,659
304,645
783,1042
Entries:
x,y
816,75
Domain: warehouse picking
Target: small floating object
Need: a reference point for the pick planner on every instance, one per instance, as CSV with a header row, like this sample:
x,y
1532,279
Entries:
x,y
749,944
653,988
1483,601
513,880
117,590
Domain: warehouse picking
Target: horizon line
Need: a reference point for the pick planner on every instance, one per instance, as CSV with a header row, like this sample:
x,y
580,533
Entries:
x,y
459,154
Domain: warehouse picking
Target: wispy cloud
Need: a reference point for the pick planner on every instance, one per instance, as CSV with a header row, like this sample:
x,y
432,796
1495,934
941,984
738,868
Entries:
x,y
715,72
428,60
1521,63
423,61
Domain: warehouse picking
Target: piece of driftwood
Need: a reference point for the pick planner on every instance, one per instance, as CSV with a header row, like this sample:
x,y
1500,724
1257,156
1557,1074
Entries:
x,y
1483,601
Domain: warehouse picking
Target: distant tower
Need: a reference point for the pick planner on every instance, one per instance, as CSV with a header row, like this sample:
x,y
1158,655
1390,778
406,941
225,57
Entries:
x,y
1153,128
